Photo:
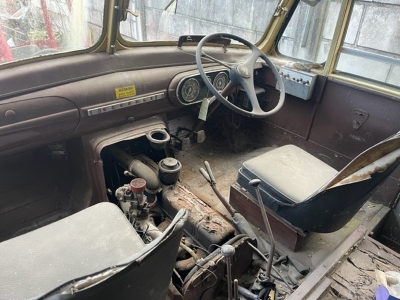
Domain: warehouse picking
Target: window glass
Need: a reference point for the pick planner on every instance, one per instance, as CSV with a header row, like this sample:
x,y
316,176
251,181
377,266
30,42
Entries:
x,y
308,35
31,28
166,20
371,48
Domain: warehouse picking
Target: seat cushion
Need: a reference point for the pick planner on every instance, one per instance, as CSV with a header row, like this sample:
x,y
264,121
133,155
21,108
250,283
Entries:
x,y
292,171
89,241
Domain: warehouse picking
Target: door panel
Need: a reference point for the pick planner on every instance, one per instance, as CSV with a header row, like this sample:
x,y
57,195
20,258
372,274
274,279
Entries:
x,y
334,121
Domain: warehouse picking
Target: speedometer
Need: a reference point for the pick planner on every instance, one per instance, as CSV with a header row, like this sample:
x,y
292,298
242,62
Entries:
x,y
220,81
190,90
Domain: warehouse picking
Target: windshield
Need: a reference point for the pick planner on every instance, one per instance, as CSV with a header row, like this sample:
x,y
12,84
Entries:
x,y
31,28
168,19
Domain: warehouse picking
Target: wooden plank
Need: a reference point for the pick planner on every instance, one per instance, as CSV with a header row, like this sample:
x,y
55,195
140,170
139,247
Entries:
x,y
376,249
355,278
313,279
340,291
354,281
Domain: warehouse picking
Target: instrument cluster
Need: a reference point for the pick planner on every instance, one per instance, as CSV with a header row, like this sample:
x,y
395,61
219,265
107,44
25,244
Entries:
x,y
192,89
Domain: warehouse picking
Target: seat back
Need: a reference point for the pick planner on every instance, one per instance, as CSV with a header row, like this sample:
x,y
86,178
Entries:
x,y
375,159
144,275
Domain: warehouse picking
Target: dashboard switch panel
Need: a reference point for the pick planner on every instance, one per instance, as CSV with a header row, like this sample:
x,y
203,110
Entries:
x,y
297,83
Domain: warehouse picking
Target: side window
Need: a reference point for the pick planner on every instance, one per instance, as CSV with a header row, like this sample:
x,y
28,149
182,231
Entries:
x,y
308,35
371,48
31,28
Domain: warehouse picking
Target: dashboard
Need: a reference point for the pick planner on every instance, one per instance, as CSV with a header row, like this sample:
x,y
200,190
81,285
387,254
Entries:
x,y
59,99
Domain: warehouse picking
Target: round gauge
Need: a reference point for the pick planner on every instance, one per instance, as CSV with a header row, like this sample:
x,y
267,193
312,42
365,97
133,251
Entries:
x,y
190,90
220,81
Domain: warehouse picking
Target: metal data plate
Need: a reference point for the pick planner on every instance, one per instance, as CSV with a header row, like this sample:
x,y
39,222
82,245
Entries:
x,y
297,83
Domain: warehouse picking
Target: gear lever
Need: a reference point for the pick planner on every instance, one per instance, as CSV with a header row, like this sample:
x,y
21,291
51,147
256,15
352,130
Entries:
x,y
254,183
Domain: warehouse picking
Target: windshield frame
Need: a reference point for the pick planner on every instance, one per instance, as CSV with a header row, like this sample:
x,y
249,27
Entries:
x,y
261,42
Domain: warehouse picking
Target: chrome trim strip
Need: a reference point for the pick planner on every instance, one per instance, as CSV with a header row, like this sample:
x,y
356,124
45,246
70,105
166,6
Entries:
x,y
126,103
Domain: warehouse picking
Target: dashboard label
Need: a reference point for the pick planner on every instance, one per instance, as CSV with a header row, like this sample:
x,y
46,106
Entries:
x,y
125,92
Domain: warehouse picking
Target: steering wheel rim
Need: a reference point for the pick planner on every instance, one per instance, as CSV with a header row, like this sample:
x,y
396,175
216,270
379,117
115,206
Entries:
x,y
242,74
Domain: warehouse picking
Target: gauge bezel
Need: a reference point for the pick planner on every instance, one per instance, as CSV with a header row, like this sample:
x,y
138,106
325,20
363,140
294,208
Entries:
x,y
215,79
196,93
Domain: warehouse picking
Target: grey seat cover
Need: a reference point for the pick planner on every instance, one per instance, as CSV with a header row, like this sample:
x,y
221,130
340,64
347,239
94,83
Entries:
x,y
86,242
292,171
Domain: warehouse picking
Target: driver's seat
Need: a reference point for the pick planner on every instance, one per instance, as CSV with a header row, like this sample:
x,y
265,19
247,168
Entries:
x,y
310,194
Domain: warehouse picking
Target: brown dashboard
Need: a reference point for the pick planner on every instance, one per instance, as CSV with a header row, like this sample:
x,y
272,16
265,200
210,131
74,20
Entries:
x,y
45,102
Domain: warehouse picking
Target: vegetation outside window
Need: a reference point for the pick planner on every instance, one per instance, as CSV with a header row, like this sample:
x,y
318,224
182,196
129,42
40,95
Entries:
x,y
32,28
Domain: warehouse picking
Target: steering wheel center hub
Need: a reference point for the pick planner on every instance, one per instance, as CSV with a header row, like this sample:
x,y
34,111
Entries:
x,y
243,71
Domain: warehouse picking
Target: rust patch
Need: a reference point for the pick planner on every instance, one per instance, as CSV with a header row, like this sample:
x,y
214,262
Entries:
x,y
204,223
357,177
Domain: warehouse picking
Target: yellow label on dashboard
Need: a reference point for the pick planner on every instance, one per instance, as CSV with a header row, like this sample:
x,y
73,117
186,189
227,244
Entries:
x,y
125,92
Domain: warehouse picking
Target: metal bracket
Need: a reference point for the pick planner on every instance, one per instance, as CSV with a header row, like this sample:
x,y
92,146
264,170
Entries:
x,y
359,117
281,9
197,38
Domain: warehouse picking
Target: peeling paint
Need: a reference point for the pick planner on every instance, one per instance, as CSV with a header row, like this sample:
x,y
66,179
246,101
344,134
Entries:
x,y
377,166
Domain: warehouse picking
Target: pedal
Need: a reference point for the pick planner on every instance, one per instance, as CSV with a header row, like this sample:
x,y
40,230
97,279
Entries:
x,y
199,136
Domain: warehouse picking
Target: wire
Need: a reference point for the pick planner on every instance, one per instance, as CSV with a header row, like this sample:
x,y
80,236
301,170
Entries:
x,y
210,287
215,245
179,276
195,246
116,171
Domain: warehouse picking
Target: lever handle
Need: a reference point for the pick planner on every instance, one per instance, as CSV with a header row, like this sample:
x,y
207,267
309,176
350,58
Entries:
x,y
208,168
255,182
205,175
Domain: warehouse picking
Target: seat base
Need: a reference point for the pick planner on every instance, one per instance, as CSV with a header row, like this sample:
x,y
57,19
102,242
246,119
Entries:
x,y
289,172
286,234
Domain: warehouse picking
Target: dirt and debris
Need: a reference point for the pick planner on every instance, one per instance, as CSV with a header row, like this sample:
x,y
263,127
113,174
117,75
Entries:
x,y
355,277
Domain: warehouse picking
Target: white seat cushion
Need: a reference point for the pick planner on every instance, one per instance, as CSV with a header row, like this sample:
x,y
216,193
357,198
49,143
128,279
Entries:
x,y
89,241
292,171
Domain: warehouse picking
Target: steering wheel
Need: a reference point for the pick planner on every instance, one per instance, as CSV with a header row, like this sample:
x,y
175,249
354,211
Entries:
x,y
241,74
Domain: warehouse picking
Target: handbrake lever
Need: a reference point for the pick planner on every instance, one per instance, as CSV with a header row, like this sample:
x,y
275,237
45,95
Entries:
x,y
239,221
209,176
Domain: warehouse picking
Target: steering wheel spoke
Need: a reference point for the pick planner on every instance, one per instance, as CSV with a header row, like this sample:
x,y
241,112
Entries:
x,y
241,74
247,85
